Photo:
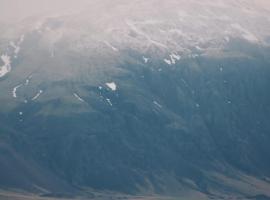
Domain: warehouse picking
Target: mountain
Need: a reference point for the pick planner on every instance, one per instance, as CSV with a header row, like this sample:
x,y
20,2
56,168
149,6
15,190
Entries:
x,y
156,99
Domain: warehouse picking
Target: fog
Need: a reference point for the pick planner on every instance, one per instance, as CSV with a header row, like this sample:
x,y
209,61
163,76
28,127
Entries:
x,y
167,24
16,10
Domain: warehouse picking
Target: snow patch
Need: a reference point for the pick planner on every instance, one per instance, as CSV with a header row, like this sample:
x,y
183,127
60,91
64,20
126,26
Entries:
x,y
167,61
112,86
7,65
173,58
145,59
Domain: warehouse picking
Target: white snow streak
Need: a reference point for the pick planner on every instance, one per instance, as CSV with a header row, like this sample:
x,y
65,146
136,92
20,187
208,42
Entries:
x,y
14,94
109,102
37,95
17,47
157,104
112,47
78,97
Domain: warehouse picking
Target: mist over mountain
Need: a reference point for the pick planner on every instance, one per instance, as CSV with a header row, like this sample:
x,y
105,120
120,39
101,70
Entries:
x,y
135,100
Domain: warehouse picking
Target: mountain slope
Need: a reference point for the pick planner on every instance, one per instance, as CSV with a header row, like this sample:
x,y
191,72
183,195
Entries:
x,y
153,105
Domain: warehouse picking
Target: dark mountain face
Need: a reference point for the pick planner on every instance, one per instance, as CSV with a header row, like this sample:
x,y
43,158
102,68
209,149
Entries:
x,y
161,125
82,113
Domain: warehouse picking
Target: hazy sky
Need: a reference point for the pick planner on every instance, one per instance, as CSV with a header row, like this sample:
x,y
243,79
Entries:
x,y
19,9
